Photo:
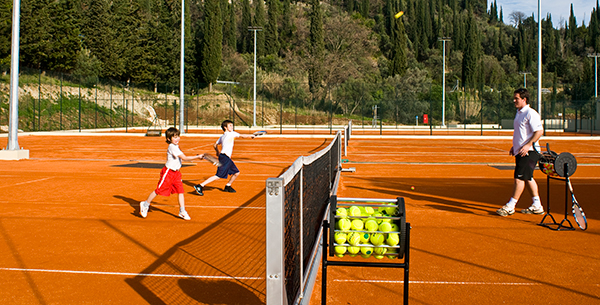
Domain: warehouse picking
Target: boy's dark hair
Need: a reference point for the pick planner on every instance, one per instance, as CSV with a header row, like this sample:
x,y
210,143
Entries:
x,y
225,123
523,93
170,133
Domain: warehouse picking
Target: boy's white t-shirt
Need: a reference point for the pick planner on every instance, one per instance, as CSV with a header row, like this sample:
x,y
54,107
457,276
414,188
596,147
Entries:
x,y
527,122
226,141
173,161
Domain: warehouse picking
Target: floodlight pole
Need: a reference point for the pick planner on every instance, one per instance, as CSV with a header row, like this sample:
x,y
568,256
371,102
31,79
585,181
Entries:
x,y
539,57
13,124
182,71
443,40
254,28
525,78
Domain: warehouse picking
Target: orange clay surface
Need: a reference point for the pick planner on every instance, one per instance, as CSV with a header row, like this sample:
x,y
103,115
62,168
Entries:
x,y
70,230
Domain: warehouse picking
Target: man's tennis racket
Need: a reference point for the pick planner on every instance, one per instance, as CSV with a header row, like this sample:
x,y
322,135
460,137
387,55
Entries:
x,y
212,159
260,133
578,213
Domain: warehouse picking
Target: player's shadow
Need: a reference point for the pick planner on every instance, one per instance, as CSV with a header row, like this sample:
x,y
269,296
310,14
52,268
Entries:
x,y
135,204
217,292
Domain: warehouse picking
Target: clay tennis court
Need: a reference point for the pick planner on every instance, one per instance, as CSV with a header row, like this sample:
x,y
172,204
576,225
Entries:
x,y
70,230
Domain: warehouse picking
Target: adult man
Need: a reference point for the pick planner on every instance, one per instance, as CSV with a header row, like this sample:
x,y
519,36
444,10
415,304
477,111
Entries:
x,y
525,147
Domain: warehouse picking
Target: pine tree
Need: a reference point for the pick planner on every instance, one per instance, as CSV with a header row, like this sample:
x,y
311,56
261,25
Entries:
x,y
317,48
272,44
211,46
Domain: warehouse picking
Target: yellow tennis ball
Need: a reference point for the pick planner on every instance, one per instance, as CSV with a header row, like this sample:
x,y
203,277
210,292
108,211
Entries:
x,y
342,212
380,251
392,251
378,214
344,224
366,251
340,237
354,238
353,250
385,227
395,228
340,250
354,211
364,238
377,239
399,14
391,211
378,256
369,210
371,225
357,224
392,239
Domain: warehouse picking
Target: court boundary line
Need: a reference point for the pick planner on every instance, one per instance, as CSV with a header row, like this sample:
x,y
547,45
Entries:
x,y
215,277
452,283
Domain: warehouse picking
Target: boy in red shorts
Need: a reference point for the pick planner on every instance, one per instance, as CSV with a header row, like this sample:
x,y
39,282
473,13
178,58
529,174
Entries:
x,y
170,176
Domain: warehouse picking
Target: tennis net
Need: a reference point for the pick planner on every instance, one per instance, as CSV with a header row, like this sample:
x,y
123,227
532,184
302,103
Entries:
x,y
297,203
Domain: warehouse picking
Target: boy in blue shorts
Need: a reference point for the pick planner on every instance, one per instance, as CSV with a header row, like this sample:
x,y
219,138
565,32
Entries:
x,y
227,168
170,176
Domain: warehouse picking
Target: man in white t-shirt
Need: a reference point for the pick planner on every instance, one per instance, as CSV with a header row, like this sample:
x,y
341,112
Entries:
x,y
525,147
227,168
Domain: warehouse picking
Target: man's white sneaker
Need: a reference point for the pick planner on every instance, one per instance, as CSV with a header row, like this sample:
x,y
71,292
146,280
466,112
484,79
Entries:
x,y
184,215
144,207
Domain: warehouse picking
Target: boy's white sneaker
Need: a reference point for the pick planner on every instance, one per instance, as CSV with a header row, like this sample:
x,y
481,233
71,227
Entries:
x,y
533,209
144,207
184,215
505,211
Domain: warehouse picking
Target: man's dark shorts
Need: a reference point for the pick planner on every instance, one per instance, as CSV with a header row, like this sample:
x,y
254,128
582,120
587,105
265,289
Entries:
x,y
524,166
227,167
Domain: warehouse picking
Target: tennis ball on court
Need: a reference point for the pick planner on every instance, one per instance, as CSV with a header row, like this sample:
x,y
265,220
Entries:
x,y
354,211
340,237
392,239
377,239
353,250
364,238
412,188
342,212
371,225
399,14
357,224
340,250
354,238
366,251
344,224
380,251
385,227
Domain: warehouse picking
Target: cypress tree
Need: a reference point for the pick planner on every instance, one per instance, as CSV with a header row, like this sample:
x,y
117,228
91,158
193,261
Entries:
x,y
246,39
398,63
229,32
287,30
272,44
472,55
66,42
364,8
5,33
259,21
211,47
317,48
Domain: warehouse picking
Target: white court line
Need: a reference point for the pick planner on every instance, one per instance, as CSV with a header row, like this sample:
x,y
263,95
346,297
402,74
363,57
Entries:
x,y
212,277
127,205
26,182
439,282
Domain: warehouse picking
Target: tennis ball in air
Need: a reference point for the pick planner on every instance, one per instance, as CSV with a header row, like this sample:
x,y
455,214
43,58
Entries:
x,y
354,238
364,238
342,212
353,250
344,224
340,237
354,211
392,239
399,14
366,251
385,227
412,188
357,224
377,239
371,225
340,250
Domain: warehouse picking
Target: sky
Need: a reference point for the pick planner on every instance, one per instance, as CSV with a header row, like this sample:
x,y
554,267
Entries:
x,y
558,9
